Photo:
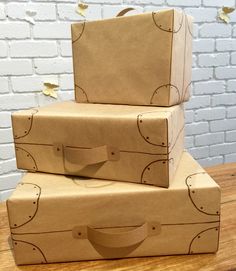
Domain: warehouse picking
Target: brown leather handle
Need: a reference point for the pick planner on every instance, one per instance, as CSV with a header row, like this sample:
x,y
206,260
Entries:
x,y
124,11
91,156
117,240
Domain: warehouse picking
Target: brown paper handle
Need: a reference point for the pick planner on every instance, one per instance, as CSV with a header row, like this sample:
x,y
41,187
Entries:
x,y
124,11
124,239
117,240
91,156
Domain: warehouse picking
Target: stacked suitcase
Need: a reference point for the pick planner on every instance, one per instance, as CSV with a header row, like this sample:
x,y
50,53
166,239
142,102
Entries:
x,y
124,187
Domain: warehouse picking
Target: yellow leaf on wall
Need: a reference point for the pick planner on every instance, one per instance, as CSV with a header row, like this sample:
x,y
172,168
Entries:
x,y
228,10
223,14
50,90
81,9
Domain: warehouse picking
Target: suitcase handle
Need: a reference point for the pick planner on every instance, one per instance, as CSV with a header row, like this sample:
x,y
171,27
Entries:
x,y
91,156
124,11
117,240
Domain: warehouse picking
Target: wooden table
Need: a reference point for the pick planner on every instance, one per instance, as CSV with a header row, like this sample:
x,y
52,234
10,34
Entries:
x,y
224,259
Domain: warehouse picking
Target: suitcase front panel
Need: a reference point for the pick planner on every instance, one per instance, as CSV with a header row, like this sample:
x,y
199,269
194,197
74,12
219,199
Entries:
x,y
141,145
149,44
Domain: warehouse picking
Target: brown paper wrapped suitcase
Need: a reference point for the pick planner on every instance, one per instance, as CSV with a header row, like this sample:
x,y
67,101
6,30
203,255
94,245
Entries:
x,y
141,59
54,218
118,142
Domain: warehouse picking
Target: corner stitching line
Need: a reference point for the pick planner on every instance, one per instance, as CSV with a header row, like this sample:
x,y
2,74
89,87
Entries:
x,y
189,194
31,124
37,206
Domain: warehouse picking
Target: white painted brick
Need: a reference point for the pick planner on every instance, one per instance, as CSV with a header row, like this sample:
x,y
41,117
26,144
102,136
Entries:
x,y
189,142
210,114
106,1
223,125
225,72
17,101
68,12
231,86
200,152
112,11
226,44
7,151
231,112
6,135
215,30
33,49
62,96
57,1
218,3
4,195
5,119
56,30
196,128
4,84
198,102
202,14
16,67
66,81
189,116
234,31
53,66
66,48
146,2
208,162
66,95
209,139
199,74
221,149
14,30
209,87
3,49
2,12
9,181
203,45
213,60
31,83
232,17
194,61
26,83
43,11
45,100
224,99
193,3
230,158
231,136
233,59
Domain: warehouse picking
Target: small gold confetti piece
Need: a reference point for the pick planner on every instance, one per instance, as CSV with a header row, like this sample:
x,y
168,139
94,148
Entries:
x,y
228,10
223,14
81,8
50,90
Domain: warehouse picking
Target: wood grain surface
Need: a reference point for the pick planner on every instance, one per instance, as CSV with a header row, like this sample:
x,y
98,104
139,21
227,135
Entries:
x,y
224,259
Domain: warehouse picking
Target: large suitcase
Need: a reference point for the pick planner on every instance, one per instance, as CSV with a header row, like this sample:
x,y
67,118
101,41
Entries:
x,y
118,142
143,59
54,218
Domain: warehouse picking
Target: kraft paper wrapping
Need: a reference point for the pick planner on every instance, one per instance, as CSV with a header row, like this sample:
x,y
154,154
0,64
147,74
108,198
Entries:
x,y
56,218
141,59
118,142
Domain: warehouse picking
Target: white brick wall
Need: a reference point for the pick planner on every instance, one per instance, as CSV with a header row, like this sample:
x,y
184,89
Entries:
x,y
32,53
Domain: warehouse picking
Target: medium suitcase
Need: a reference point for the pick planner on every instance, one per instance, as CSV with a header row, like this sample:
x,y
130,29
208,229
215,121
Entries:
x,y
54,218
118,142
143,59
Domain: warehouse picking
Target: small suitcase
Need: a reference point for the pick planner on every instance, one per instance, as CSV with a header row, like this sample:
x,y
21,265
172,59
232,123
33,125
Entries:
x,y
54,218
118,142
143,59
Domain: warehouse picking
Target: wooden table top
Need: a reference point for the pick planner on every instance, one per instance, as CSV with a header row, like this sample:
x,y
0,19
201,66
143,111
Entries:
x,y
224,259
